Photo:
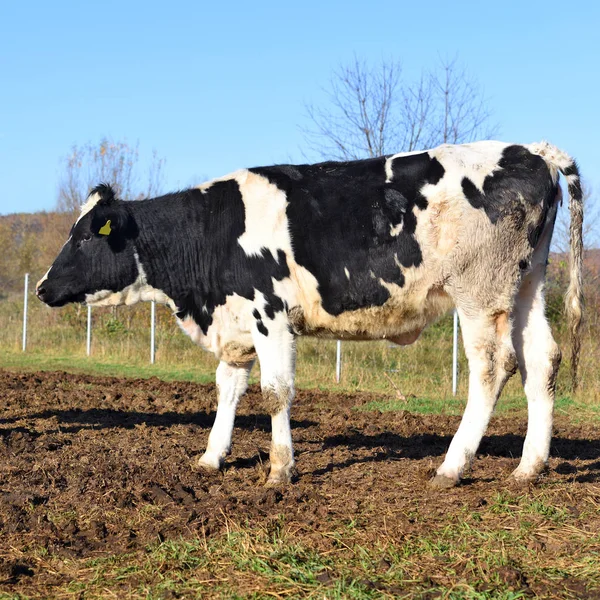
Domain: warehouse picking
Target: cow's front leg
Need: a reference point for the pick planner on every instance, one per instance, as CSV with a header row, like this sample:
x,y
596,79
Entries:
x,y
232,382
275,346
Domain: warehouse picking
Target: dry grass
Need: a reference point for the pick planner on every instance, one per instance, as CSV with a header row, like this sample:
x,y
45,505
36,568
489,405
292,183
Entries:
x,y
121,340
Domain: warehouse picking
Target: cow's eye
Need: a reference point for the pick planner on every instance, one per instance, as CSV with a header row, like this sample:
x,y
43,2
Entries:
x,y
84,238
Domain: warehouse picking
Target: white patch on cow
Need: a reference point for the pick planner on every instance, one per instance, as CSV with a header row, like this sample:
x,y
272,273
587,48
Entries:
x,y
395,230
536,350
88,205
475,161
347,273
265,211
538,356
139,291
287,290
572,179
44,277
229,335
480,404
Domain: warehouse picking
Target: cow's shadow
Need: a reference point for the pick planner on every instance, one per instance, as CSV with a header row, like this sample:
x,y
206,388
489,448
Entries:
x,y
389,446
75,420
380,447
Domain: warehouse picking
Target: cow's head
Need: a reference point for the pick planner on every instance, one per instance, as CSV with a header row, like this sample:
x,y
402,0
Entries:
x,y
99,257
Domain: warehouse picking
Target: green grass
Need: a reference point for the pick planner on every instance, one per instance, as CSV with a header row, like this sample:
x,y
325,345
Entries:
x,y
456,405
42,361
477,554
448,406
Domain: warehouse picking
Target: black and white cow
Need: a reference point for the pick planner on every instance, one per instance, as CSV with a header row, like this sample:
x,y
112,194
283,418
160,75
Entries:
x,y
359,250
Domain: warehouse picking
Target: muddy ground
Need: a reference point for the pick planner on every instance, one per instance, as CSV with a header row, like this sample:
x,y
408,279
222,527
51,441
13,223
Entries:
x,y
80,456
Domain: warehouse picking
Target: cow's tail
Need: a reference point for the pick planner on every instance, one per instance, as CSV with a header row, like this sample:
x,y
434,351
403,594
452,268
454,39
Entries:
x,y
574,298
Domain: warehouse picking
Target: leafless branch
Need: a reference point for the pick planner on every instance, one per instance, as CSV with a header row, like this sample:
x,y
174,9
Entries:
x,y
116,163
372,111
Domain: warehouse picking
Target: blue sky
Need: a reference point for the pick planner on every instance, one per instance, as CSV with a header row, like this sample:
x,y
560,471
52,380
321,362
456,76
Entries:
x,y
213,87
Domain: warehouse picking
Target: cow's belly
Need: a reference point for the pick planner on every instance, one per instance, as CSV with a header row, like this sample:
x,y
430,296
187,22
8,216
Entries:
x,y
409,308
401,319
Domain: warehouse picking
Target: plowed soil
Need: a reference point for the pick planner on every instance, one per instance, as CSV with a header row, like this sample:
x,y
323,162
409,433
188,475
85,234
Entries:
x,y
82,457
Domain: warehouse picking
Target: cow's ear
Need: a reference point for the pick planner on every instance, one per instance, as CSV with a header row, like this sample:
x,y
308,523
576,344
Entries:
x,y
109,219
114,221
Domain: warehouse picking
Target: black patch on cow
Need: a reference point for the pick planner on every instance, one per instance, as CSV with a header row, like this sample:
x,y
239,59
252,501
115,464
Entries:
x,y
478,200
187,243
522,180
256,314
261,328
270,312
571,170
410,173
341,216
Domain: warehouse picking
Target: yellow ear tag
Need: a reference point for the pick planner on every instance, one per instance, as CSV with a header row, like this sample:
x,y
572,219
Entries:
x,y
105,229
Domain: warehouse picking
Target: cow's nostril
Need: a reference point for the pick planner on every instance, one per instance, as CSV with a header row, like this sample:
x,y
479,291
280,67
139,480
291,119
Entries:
x,y
40,291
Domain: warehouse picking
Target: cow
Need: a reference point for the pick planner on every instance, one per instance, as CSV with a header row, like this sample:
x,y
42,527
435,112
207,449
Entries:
x,y
359,250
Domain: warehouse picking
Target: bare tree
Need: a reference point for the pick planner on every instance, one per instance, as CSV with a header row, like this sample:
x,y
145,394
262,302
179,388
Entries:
x,y
116,163
373,111
358,120
459,112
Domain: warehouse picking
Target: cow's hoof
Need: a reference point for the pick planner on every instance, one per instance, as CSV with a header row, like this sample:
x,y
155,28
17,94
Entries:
x,y
278,480
283,477
521,478
524,476
207,465
443,482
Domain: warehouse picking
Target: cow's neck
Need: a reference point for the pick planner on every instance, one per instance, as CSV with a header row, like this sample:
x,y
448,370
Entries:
x,y
174,258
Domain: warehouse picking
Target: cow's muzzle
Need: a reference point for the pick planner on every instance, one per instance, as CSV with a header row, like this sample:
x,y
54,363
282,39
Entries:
x,y
41,292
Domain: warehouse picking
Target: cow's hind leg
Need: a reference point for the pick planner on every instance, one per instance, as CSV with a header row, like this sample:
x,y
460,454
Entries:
x,y
492,360
539,359
232,382
275,346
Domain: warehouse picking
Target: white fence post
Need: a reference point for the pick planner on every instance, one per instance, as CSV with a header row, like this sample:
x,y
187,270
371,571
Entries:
x,y
25,311
88,347
338,361
152,329
455,354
